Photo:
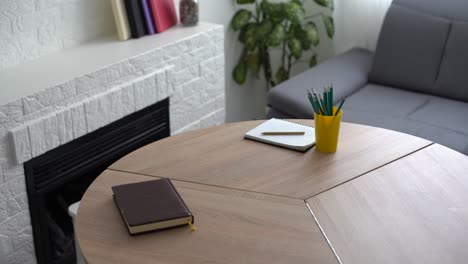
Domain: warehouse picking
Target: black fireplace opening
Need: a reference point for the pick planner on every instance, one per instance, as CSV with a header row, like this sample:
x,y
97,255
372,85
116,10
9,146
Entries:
x,y
60,177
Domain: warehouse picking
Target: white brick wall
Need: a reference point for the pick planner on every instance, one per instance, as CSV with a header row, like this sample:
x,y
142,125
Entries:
x,y
190,72
32,28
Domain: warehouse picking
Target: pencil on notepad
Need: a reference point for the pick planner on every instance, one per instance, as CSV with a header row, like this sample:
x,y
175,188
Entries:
x,y
279,133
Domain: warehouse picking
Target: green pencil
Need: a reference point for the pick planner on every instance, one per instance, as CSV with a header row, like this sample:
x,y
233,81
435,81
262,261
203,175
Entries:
x,y
316,99
317,102
341,105
325,101
323,105
311,100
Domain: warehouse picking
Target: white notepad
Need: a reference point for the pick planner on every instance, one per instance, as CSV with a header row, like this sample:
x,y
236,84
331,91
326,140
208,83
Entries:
x,y
300,143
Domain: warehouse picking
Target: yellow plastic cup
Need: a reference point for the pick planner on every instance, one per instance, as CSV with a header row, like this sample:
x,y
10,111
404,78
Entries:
x,y
327,131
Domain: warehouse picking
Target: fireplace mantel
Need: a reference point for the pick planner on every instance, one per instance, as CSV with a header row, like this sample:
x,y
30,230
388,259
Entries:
x,y
31,77
60,97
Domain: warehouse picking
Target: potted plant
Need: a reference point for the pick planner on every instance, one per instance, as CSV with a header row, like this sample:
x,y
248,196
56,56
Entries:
x,y
277,25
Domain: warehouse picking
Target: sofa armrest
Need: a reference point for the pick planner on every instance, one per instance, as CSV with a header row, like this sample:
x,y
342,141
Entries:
x,y
347,72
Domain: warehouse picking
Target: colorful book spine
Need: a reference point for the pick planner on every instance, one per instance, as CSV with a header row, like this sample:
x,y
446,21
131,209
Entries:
x,y
135,18
164,14
148,16
121,20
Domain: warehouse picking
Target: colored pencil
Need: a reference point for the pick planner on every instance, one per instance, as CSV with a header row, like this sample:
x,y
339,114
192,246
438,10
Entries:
x,y
341,105
322,104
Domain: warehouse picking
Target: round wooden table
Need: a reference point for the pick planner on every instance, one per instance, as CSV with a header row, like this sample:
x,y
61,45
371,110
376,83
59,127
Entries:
x,y
384,197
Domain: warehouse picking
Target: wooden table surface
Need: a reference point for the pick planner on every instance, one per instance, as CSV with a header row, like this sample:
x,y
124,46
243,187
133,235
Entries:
x,y
220,156
384,197
233,226
414,210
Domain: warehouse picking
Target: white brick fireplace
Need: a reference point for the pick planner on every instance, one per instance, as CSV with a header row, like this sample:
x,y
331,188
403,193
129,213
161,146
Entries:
x,y
55,99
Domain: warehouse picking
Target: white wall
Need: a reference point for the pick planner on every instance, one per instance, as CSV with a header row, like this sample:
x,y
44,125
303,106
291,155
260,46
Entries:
x,y
32,28
242,102
358,23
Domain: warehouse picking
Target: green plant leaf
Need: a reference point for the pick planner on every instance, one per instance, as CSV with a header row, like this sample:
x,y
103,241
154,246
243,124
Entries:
x,y
295,47
294,12
253,61
251,37
311,33
240,73
242,2
274,11
313,61
300,34
240,19
297,2
243,32
300,4
305,43
264,29
324,3
277,36
265,6
295,30
281,75
308,35
329,26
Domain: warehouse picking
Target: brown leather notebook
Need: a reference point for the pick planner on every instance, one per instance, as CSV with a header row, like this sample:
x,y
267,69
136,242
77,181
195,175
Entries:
x,y
151,205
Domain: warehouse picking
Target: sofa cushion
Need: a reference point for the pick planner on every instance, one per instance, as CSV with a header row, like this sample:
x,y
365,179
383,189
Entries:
x,y
275,113
453,78
410,49
445,113
385,100
452,139
347,72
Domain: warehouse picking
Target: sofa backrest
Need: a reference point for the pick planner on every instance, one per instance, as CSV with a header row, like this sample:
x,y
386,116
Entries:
x,y
423,46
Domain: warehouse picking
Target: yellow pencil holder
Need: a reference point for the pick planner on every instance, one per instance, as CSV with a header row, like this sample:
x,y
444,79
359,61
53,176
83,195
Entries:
x,y
327,131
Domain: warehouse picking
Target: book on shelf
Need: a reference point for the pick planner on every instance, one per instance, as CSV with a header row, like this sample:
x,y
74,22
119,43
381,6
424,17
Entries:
x,y
149,21
121,20
151,205
164,14
136,18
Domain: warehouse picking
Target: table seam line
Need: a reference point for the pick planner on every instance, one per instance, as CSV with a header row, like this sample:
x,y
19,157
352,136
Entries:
x,y
212,185
323,233
367,172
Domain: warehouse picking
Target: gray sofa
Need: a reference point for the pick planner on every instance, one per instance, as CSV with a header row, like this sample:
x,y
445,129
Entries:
x,y
416,82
